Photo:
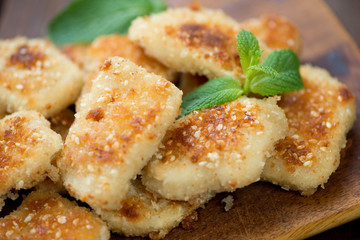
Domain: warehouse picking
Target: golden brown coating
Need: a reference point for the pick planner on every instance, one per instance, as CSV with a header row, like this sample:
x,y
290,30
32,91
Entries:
x,y
143,214
118,128
78,54
47,215
276,31
34,75
27,146
319,118
196,41
217,149
107,46
62,122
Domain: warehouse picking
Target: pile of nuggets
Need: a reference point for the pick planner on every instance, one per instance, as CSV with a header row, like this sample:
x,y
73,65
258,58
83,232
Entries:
x,y
123,152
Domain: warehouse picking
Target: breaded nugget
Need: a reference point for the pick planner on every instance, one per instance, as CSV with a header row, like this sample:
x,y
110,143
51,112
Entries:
x,y
62,122
104,47
217,149
319,118
143,214
200,41
275,31
47,215
35,75
27,146
119,127
78,54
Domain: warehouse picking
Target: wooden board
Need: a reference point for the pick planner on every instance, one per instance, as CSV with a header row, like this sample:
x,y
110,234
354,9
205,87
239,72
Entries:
x,y
260,211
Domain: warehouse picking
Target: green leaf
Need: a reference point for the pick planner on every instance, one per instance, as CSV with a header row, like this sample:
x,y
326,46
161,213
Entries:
x,y
84,20
279,73
282,60
248,47
215,92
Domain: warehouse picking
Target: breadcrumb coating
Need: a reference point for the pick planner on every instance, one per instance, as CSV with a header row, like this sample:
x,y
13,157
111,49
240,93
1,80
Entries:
x,y
217,149
319,118
144,214
47,215
35,75
27,146
118,128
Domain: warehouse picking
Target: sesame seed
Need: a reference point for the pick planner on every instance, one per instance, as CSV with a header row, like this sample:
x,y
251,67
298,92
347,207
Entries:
x,y
307,163
61,219
328,124
28,218
33,230
197,134
89,226
19,86
219,127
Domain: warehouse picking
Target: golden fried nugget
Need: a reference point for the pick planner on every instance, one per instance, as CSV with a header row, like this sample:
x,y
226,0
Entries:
x,y
119,45
276,31
34,75
199,41
78,54
119,127
217,149
47,215
143,214
319,118
62,122
27,146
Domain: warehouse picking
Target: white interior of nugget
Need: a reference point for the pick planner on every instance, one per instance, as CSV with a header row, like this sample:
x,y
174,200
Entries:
x,y
118,128
217,149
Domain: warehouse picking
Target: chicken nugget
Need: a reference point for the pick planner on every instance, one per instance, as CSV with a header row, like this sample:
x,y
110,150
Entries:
x,y
319,118
217,149
47,215
27,146
143,214
200,41
35,75
276,31
119,127
107,46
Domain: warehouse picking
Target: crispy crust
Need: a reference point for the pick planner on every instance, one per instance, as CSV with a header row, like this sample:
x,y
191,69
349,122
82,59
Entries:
x,y
118,128
217,149
27,146
143,214
319,118
34,75
276,31
47,215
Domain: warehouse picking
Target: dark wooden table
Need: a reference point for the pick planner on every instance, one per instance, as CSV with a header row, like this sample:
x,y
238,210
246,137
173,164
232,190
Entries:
x,y
30,18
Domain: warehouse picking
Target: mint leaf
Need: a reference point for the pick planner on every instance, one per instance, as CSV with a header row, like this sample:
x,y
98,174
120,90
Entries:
x,y
215,92
278,73
248,47
84,20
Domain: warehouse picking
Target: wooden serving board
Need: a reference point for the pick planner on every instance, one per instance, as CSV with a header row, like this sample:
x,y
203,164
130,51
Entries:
x,y
261,210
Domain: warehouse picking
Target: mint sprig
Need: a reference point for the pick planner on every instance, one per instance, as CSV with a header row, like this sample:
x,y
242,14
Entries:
x,y
218,90
84,20
278,73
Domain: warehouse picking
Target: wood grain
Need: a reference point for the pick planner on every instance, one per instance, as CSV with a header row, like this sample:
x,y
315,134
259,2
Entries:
x,y
260,211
